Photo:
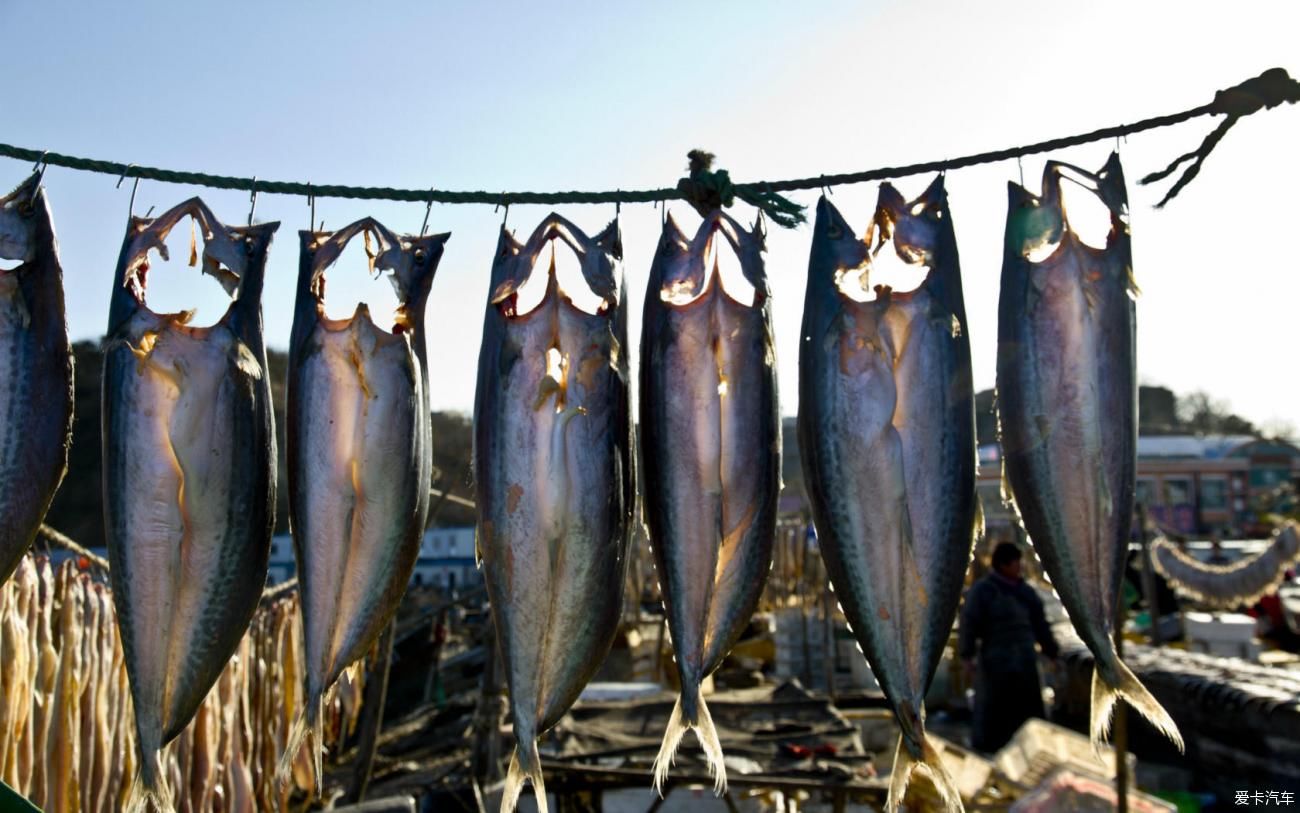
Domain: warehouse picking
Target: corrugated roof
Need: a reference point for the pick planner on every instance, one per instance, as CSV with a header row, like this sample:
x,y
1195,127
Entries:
x,y
1204,447
1208,447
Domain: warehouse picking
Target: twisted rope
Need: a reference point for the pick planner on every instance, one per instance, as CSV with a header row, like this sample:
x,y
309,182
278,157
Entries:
x,y
1265,91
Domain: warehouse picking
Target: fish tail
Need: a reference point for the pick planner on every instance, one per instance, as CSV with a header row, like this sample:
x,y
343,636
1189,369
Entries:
x,y
530,767
932,763
307,723
148,790
705,732
1115,682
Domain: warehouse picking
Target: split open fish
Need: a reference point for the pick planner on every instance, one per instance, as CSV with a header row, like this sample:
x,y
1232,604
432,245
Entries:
x,y
35,370
887,436
359,457
711,448
554,477
189,477
1067,407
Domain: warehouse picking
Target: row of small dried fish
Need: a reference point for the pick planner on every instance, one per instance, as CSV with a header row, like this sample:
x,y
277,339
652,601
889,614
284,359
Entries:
x,y
1226,586
66,738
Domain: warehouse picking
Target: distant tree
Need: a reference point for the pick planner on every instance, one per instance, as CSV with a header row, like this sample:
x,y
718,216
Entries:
x,y
1279,429
1157,410
1202,414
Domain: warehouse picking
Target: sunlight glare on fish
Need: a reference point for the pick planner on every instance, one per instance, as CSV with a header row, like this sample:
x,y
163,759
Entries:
x,y
1042,250
529,295
1089,217
568,271
566,264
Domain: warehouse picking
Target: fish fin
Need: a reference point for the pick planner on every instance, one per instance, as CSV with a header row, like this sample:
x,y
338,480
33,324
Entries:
x,y
1128,687
668,749
305,724
518,773
932,762
705,732
708,737
149,789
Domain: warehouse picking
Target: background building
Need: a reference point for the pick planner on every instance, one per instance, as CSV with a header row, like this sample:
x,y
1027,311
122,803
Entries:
x,y
446,559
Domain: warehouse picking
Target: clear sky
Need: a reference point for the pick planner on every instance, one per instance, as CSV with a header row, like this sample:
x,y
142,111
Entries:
x,y
611,95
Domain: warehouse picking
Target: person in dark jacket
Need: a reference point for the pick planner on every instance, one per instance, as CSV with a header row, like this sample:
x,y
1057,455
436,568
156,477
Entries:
x,y
1000,621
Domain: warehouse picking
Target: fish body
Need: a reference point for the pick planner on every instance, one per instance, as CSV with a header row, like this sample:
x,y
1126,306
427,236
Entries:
x,y
35,371
1067,407
711,448
358,441
553,478
887,435
189,485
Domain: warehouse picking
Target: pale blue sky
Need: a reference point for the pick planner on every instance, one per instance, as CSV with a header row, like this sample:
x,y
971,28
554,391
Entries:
x,y
612,95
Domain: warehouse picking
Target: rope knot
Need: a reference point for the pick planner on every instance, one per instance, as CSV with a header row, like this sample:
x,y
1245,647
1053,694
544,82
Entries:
x,y
1268,90
707,189
704,189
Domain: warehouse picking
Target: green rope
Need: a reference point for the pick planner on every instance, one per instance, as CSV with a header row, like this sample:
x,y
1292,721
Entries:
x,y
1264,91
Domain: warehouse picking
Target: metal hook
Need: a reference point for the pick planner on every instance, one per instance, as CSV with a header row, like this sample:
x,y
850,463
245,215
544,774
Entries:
x,y
428,207
122,177
146,214
1021,163
311,201
503,202
252,201
618,204
130,207
826,190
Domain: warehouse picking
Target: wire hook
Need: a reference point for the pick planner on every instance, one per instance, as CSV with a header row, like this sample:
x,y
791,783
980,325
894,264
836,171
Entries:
x,y
130,206
252,201
311,201
505,203
826,190
1021,163
428,207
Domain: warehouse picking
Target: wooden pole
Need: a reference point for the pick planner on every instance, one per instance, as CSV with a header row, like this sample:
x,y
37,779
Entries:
x,y
486,762
1121,717
372,715
1148,576
439,637
828,643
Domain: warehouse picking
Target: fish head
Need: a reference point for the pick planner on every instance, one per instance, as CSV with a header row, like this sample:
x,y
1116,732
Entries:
x,y
526,277
225,254
407,261
722,256
1035,224
915,227
18,220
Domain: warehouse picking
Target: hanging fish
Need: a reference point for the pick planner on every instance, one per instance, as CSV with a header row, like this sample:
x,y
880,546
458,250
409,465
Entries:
x,y
1067,406
359,457
189,485
711,445
887,435
1226,586
35,371
554,479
